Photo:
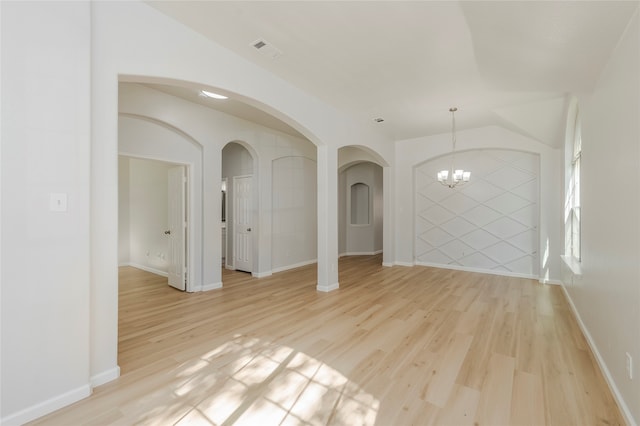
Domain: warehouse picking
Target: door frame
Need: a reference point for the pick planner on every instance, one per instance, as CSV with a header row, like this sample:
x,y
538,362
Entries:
x,y
224,225
189,246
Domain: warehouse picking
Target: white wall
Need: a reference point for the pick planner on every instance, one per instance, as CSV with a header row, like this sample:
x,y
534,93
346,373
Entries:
x,y
410,153
294,209
123,211
45,254
148,214
607,294
342,213
378,208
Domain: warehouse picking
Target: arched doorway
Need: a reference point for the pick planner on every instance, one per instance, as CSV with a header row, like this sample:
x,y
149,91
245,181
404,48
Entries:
x,y
239,221
361,207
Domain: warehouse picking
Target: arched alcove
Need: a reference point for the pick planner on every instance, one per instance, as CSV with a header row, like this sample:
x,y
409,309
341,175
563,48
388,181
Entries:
x,y
360,209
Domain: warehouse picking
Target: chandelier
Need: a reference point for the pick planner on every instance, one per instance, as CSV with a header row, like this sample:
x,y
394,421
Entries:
x,y
453,176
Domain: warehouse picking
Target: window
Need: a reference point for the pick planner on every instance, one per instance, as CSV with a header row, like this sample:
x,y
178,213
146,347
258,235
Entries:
x,y
572,223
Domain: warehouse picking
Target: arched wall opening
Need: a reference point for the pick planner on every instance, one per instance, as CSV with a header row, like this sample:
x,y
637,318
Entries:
x,y
145,147
360,201
122,51
238,168
236,98
360,209
266,146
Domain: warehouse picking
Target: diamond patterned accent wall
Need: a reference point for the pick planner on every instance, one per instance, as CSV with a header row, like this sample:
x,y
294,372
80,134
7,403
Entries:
x,y
490,223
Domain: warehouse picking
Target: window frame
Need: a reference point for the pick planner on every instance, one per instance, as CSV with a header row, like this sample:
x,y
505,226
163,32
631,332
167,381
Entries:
x,y
574,245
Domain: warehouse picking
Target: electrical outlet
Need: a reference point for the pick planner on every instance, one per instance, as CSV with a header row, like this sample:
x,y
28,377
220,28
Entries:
x,y
629,365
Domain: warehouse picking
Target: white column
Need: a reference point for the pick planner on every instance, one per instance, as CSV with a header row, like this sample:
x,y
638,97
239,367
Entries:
x,y
388,238
211,217
262,180
327,218
104,220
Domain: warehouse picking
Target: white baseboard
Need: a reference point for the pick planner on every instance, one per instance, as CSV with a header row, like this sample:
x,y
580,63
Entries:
x,y
105,377
478,270
328,288
295,265
387,264
603,366
212,286
46,407
399,263
148,269
361,253
261,274
549,281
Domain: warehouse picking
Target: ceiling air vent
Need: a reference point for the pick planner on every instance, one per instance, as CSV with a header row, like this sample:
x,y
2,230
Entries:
x,y
266,48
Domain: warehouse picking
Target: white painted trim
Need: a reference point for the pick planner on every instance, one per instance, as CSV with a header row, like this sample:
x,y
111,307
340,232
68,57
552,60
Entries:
x,y
230,267
261,274
105,377
400,263
328,288
361,253
148,269
603,366
212,286
48,406
387,264
478,270
549,281
295,265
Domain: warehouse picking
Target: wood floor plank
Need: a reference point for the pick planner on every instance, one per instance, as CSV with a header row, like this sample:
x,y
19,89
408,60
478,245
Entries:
x,y
527,401
392,346
494,407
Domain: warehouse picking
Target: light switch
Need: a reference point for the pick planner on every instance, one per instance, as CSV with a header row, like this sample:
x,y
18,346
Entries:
x,y
58,202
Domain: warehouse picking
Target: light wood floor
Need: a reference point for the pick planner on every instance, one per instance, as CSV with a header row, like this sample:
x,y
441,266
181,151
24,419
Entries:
x,y
392,346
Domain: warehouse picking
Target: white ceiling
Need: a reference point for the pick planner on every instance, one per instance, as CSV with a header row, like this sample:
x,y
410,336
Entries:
x,y
502,63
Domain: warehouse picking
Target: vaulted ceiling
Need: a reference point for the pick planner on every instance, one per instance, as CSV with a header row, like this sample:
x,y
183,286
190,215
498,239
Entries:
x,y
506,63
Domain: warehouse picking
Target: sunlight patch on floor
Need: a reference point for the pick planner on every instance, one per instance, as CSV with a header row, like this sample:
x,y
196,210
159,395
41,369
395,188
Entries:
x,y
247,382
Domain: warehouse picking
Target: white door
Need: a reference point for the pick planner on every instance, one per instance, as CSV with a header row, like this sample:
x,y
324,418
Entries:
x,y
177,228
242,247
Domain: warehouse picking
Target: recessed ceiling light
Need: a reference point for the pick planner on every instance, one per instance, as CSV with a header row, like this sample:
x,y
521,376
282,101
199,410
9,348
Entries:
x,y
212,95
